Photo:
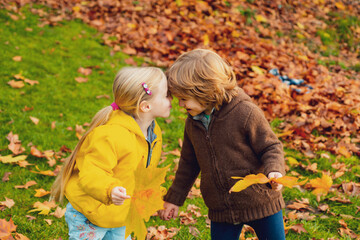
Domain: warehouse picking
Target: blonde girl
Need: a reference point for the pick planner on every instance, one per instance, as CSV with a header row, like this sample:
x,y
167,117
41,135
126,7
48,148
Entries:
x,y
98,177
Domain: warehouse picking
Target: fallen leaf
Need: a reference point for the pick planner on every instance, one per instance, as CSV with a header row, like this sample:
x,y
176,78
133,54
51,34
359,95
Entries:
x,y
59,212
27,185
298,228
41,192
85,71
11,159
15,143
34,120
8,202
17,58
6,228
16,84
5,178
43,207
322,185
81,79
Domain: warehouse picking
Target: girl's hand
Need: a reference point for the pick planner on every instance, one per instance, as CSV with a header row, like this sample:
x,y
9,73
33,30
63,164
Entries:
x,y
170,211
274,185
118,195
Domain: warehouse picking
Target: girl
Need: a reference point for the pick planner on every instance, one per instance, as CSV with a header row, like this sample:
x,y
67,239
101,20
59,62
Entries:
x,y
225,135
98,176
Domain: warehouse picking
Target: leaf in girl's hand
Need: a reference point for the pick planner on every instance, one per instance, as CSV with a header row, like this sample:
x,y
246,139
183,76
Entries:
x,y
146,199
247,181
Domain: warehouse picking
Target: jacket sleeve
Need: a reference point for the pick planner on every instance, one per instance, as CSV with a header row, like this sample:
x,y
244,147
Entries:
x,y
96,166
264,142
186,174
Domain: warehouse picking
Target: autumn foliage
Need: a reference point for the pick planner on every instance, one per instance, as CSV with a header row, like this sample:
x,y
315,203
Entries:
x,y
249,34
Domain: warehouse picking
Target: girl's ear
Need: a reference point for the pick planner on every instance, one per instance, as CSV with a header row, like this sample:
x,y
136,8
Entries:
x,y
145,106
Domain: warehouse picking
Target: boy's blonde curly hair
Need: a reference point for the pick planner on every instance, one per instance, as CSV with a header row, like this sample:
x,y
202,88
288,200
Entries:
x,y
203,75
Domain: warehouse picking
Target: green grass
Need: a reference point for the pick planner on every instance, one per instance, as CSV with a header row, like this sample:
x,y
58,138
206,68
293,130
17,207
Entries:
x,y
52,56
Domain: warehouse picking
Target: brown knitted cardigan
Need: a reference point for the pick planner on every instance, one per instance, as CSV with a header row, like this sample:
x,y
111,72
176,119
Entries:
x,y
239,142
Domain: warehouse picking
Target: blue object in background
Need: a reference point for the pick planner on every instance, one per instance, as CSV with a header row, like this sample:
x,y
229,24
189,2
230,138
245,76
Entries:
x,y
289,81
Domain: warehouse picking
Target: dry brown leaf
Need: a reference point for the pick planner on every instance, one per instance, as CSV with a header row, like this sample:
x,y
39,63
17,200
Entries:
x,y
16,84
8,202
27,185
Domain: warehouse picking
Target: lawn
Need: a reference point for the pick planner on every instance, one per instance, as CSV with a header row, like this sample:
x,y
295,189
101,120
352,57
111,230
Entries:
x,y
54,56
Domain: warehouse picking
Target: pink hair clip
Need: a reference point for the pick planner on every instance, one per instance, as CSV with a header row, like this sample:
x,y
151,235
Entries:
x,y
147,90
114,106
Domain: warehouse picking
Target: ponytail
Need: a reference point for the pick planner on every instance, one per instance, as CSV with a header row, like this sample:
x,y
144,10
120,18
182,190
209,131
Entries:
x,y
58,187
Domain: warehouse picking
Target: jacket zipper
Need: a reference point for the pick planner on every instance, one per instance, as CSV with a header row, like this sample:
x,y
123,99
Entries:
x,y
150,149
207,136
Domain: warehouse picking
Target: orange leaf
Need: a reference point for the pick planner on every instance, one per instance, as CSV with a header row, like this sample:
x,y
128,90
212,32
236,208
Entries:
x,y
16,84
322,185
41,192
17,58
6,228
19,236
15,143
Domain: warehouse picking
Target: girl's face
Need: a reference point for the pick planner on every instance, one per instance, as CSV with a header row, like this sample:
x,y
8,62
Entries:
x,y
161,102
193,107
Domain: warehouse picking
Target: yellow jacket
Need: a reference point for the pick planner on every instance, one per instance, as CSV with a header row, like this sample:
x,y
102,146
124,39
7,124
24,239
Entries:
x,y
108,158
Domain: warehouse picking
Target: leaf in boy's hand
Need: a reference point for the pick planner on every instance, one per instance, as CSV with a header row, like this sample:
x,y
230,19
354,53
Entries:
x,y
247,181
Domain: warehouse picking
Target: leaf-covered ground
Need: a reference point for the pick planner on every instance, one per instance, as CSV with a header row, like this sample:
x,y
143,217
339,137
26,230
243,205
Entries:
x,y
56,74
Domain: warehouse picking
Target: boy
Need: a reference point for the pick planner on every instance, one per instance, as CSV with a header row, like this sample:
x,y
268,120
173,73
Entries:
x,y
225,135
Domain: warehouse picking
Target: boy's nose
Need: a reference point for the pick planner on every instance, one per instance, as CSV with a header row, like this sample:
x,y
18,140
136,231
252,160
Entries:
x,y
181,103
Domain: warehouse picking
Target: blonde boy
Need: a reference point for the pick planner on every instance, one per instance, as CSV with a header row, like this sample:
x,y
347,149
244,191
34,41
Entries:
x,y
225,135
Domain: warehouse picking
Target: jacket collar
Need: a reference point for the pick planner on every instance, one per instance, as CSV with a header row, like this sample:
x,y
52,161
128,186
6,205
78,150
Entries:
x,y
227,107
125,120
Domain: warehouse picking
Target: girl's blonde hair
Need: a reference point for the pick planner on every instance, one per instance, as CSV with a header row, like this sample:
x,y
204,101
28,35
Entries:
x,y
204,75
128,94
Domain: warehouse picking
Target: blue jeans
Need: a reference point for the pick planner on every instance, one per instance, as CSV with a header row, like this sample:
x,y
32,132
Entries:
x,y
80,228
268,228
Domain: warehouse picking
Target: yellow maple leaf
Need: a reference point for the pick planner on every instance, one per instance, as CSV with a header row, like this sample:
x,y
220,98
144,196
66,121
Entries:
x,y
43,208
146,199
247,181
47,172
322,185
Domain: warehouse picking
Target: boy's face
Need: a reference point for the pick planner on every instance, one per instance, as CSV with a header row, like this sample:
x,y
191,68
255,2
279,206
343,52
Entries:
x,y
192,106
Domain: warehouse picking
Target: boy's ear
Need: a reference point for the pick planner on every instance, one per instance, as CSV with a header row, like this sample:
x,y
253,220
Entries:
x,y
145,106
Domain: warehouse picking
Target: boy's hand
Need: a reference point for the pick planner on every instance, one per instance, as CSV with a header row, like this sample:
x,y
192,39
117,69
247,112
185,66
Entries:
x,y
118,195
274,185
170,211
